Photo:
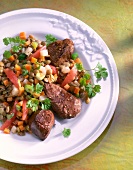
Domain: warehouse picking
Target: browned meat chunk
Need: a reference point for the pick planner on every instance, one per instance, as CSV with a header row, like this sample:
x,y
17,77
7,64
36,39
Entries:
x,y
63,103
60,51
41,123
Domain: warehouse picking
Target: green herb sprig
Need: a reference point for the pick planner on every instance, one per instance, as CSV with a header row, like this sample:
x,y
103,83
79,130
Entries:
x,y
66,132
16,45
50,39
46,104
33,104
100,71
92,90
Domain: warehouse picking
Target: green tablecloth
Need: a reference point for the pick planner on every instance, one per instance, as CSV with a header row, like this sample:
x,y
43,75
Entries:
x,y
113,21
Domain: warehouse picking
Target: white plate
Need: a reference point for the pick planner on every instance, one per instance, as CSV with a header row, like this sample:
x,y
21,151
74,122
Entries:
x,y
94,118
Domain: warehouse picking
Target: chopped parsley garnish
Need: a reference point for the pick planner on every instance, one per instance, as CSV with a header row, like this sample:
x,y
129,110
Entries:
x,y
74,56
24,72
22,56
100,71
46,104
7,54
16,43
9,116
87,76
92,90
83,80
39,88
50,39
12,41
33,104
66,132
79,66
29,88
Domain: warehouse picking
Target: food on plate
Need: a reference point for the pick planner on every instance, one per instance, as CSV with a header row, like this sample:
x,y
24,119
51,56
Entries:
x,y
60,51
41,123
38,78
63,103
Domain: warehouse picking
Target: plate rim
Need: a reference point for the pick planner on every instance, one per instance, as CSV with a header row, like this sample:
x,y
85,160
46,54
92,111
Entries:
x,y
108,118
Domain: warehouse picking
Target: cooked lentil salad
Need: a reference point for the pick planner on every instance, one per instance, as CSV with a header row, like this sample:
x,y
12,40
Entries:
x,y
24,70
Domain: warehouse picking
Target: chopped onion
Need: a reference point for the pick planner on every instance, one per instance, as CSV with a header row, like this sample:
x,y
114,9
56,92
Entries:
x,y
44,52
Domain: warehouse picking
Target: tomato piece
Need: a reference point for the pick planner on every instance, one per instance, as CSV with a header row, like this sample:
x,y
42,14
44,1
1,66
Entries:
x,y
24,110
54,70
12,77
37,53
8,122
70,77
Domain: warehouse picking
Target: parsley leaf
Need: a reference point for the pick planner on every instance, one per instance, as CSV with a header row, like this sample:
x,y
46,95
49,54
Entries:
x,y
92,90
100,71
33,104
7,54
79,66
87,76
16,48
7,41
29,88
66,132
74,56
50,39
22,56
83,80
15,42
24,72
38,88
46,104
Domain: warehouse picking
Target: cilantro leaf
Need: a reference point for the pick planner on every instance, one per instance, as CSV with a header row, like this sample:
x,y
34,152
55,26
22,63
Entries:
x,y
46,104
82,81
15,43
22,56
50,39
33,104
100,72
29,88
87,76
7,41
92,90
74,56
97,88
7,54
66,132
79,66
24,72
16,48
39,88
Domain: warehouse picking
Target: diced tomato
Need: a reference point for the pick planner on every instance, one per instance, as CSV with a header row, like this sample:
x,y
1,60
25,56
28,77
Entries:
x,y
12,76
24,110
8,122
37,53
70,77
54,70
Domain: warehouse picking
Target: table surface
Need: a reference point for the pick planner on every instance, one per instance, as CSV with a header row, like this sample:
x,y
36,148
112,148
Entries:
x,y
113,21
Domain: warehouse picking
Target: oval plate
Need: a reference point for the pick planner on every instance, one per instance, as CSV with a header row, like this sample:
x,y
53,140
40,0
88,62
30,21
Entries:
x,y
94,117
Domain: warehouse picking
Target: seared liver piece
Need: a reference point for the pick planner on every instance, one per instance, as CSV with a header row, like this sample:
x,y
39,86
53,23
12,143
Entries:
x,y
60,51
41,123
63,103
